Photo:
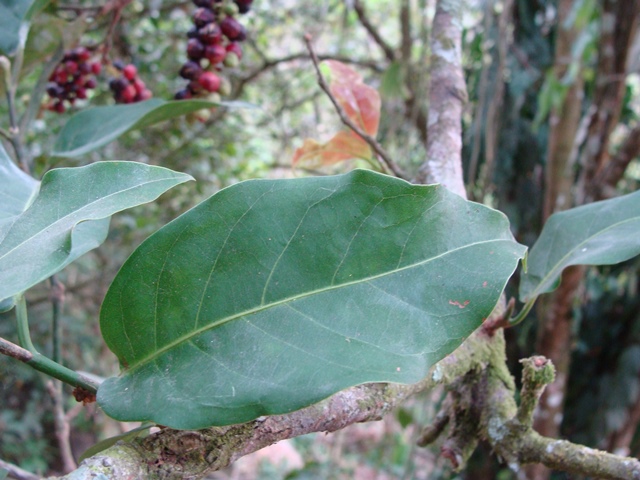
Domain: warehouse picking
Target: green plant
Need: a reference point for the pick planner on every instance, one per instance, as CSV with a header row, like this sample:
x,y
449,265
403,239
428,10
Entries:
x,y
275,294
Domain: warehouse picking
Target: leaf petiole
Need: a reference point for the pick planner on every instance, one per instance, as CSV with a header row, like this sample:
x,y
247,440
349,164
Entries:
x,y
513,321
29,355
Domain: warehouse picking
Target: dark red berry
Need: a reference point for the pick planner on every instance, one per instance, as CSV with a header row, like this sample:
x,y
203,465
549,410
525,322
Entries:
x,y
81,54
203,3
96,68
210,34
59,107
195,49
215,53
90,83
71,67
190,70
232,29
209,81
243,5
182,94
117,85
203,16
194,87
81,93
130,71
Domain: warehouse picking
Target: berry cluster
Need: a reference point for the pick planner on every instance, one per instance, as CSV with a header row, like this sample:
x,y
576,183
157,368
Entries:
x,y
71,79
128,87
214,42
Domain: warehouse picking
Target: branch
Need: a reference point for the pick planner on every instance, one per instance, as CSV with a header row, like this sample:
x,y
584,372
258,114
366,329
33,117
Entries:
x,y
269,64
46,365
388,50
447,97
16,472
373,143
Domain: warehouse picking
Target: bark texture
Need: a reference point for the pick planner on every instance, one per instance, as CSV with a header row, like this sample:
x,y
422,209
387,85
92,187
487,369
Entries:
x,y
447,98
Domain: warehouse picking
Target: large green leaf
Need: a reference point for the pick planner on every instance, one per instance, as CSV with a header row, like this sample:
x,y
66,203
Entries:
x,y
70,216
14,22
92,128
601,233
274,294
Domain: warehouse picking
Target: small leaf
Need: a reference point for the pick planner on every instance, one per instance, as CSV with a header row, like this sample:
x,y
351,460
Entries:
x,y
70,216
601,233
274,294
90,129
344,145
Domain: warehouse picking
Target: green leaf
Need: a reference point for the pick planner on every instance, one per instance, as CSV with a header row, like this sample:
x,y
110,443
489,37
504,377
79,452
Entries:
x,y
109,442
92,128
601,233
70,216
14,22
274,294
17,189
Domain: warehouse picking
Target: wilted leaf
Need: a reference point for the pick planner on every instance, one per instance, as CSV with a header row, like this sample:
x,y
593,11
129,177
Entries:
x,y
274,294
344,145
361,103
601,233
92,128
55,229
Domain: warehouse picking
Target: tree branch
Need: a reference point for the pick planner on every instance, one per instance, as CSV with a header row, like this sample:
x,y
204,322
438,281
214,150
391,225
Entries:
x,y
388,50
447,97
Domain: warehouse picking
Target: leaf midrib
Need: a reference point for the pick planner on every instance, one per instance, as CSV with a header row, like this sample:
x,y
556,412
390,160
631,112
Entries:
x,y
132,366
61,219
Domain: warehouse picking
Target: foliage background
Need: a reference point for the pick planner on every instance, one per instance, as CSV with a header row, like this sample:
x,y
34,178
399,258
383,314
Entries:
x,y
506,135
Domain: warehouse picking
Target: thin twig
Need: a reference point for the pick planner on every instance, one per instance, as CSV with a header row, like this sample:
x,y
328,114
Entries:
x,y
373,143
388,50
16,472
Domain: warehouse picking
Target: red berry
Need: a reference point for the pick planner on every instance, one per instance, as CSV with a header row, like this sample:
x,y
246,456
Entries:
x,y
128,94
90,83
209,81
235,48
215,53
71,67
81,93
96,68
139,85
59,107
145,94
129,72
